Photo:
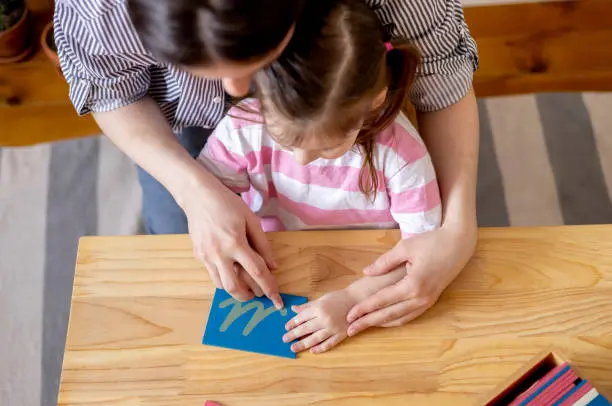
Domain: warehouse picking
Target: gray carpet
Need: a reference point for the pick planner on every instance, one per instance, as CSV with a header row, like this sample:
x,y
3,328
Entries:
x,y
545,160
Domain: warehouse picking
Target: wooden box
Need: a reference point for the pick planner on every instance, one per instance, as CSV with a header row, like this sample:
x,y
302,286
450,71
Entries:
x,y
522,380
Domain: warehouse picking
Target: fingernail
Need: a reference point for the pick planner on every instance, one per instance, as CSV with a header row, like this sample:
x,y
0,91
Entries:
x,y
350,318
285,340
278,302
351,332
294,348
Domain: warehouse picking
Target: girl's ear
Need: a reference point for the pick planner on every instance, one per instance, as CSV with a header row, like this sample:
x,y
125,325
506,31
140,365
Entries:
x,y
379,99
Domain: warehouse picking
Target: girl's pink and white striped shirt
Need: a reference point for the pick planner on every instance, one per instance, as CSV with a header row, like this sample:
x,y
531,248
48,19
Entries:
x,y
325,193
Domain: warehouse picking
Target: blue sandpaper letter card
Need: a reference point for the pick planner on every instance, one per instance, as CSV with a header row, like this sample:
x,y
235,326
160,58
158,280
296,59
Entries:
x,y
255,326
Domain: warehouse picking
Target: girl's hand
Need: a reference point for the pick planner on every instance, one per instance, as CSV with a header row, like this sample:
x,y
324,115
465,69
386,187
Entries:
x,y
432,260
320,324
228,239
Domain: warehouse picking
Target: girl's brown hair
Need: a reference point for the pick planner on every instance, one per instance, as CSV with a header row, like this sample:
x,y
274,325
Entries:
x,y
329,76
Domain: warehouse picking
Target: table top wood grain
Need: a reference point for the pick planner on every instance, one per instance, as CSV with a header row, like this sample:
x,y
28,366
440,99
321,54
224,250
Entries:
x,y
140,305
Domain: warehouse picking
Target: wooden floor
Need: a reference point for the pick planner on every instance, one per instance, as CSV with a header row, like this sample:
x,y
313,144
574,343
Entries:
x,y
524,48
538,47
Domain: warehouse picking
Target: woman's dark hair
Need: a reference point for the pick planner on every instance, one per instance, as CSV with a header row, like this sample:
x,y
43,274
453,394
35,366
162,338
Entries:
x,y
328,77
203,32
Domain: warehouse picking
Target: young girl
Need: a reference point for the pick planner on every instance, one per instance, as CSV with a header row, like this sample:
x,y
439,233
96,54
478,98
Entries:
x,y
326,147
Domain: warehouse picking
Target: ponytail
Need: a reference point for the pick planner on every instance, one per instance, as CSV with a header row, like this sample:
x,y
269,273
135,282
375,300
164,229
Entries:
x,y
402,62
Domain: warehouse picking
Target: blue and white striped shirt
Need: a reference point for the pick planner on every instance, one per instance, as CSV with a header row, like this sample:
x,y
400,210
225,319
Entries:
x,y
107,67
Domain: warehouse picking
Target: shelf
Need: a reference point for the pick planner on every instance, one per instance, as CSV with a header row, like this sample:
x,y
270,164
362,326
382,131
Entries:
x,y
34,104
524,48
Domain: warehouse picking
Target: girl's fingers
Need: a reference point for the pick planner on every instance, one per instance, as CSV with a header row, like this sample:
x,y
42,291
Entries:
x,y
302,330
300,318
300,308
328,344
310,341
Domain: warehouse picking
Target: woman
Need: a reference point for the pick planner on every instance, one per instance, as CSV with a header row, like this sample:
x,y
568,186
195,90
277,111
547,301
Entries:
x,y
127,68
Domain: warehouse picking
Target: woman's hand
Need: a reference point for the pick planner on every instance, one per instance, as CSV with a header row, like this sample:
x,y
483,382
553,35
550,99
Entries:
x,y
432,260
320,324
228,239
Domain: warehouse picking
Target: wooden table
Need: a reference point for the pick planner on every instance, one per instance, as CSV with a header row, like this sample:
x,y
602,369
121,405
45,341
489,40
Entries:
x,y
140,304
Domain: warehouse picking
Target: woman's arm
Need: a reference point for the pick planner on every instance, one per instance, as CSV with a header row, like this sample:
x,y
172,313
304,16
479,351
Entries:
x,y
115,89
219,222
435,258
141,131
452,137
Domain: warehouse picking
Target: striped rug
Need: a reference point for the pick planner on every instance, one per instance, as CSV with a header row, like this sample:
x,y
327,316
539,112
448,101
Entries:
x,y
545,160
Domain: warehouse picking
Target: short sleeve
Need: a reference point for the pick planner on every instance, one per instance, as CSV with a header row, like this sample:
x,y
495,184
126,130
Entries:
x,y
101,78
449,53
410,179
224,156
414,199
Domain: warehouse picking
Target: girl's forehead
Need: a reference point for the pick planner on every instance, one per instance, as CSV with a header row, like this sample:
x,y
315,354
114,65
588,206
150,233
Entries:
x,y
326,130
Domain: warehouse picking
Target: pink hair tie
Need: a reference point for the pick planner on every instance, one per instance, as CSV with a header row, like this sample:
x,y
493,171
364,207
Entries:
x,y
389,46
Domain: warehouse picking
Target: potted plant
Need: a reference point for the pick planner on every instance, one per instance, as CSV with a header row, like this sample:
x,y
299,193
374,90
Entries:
x,y
15,37
47,43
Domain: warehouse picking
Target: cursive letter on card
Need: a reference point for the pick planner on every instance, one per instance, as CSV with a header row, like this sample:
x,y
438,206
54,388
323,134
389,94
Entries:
x,y
239,309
